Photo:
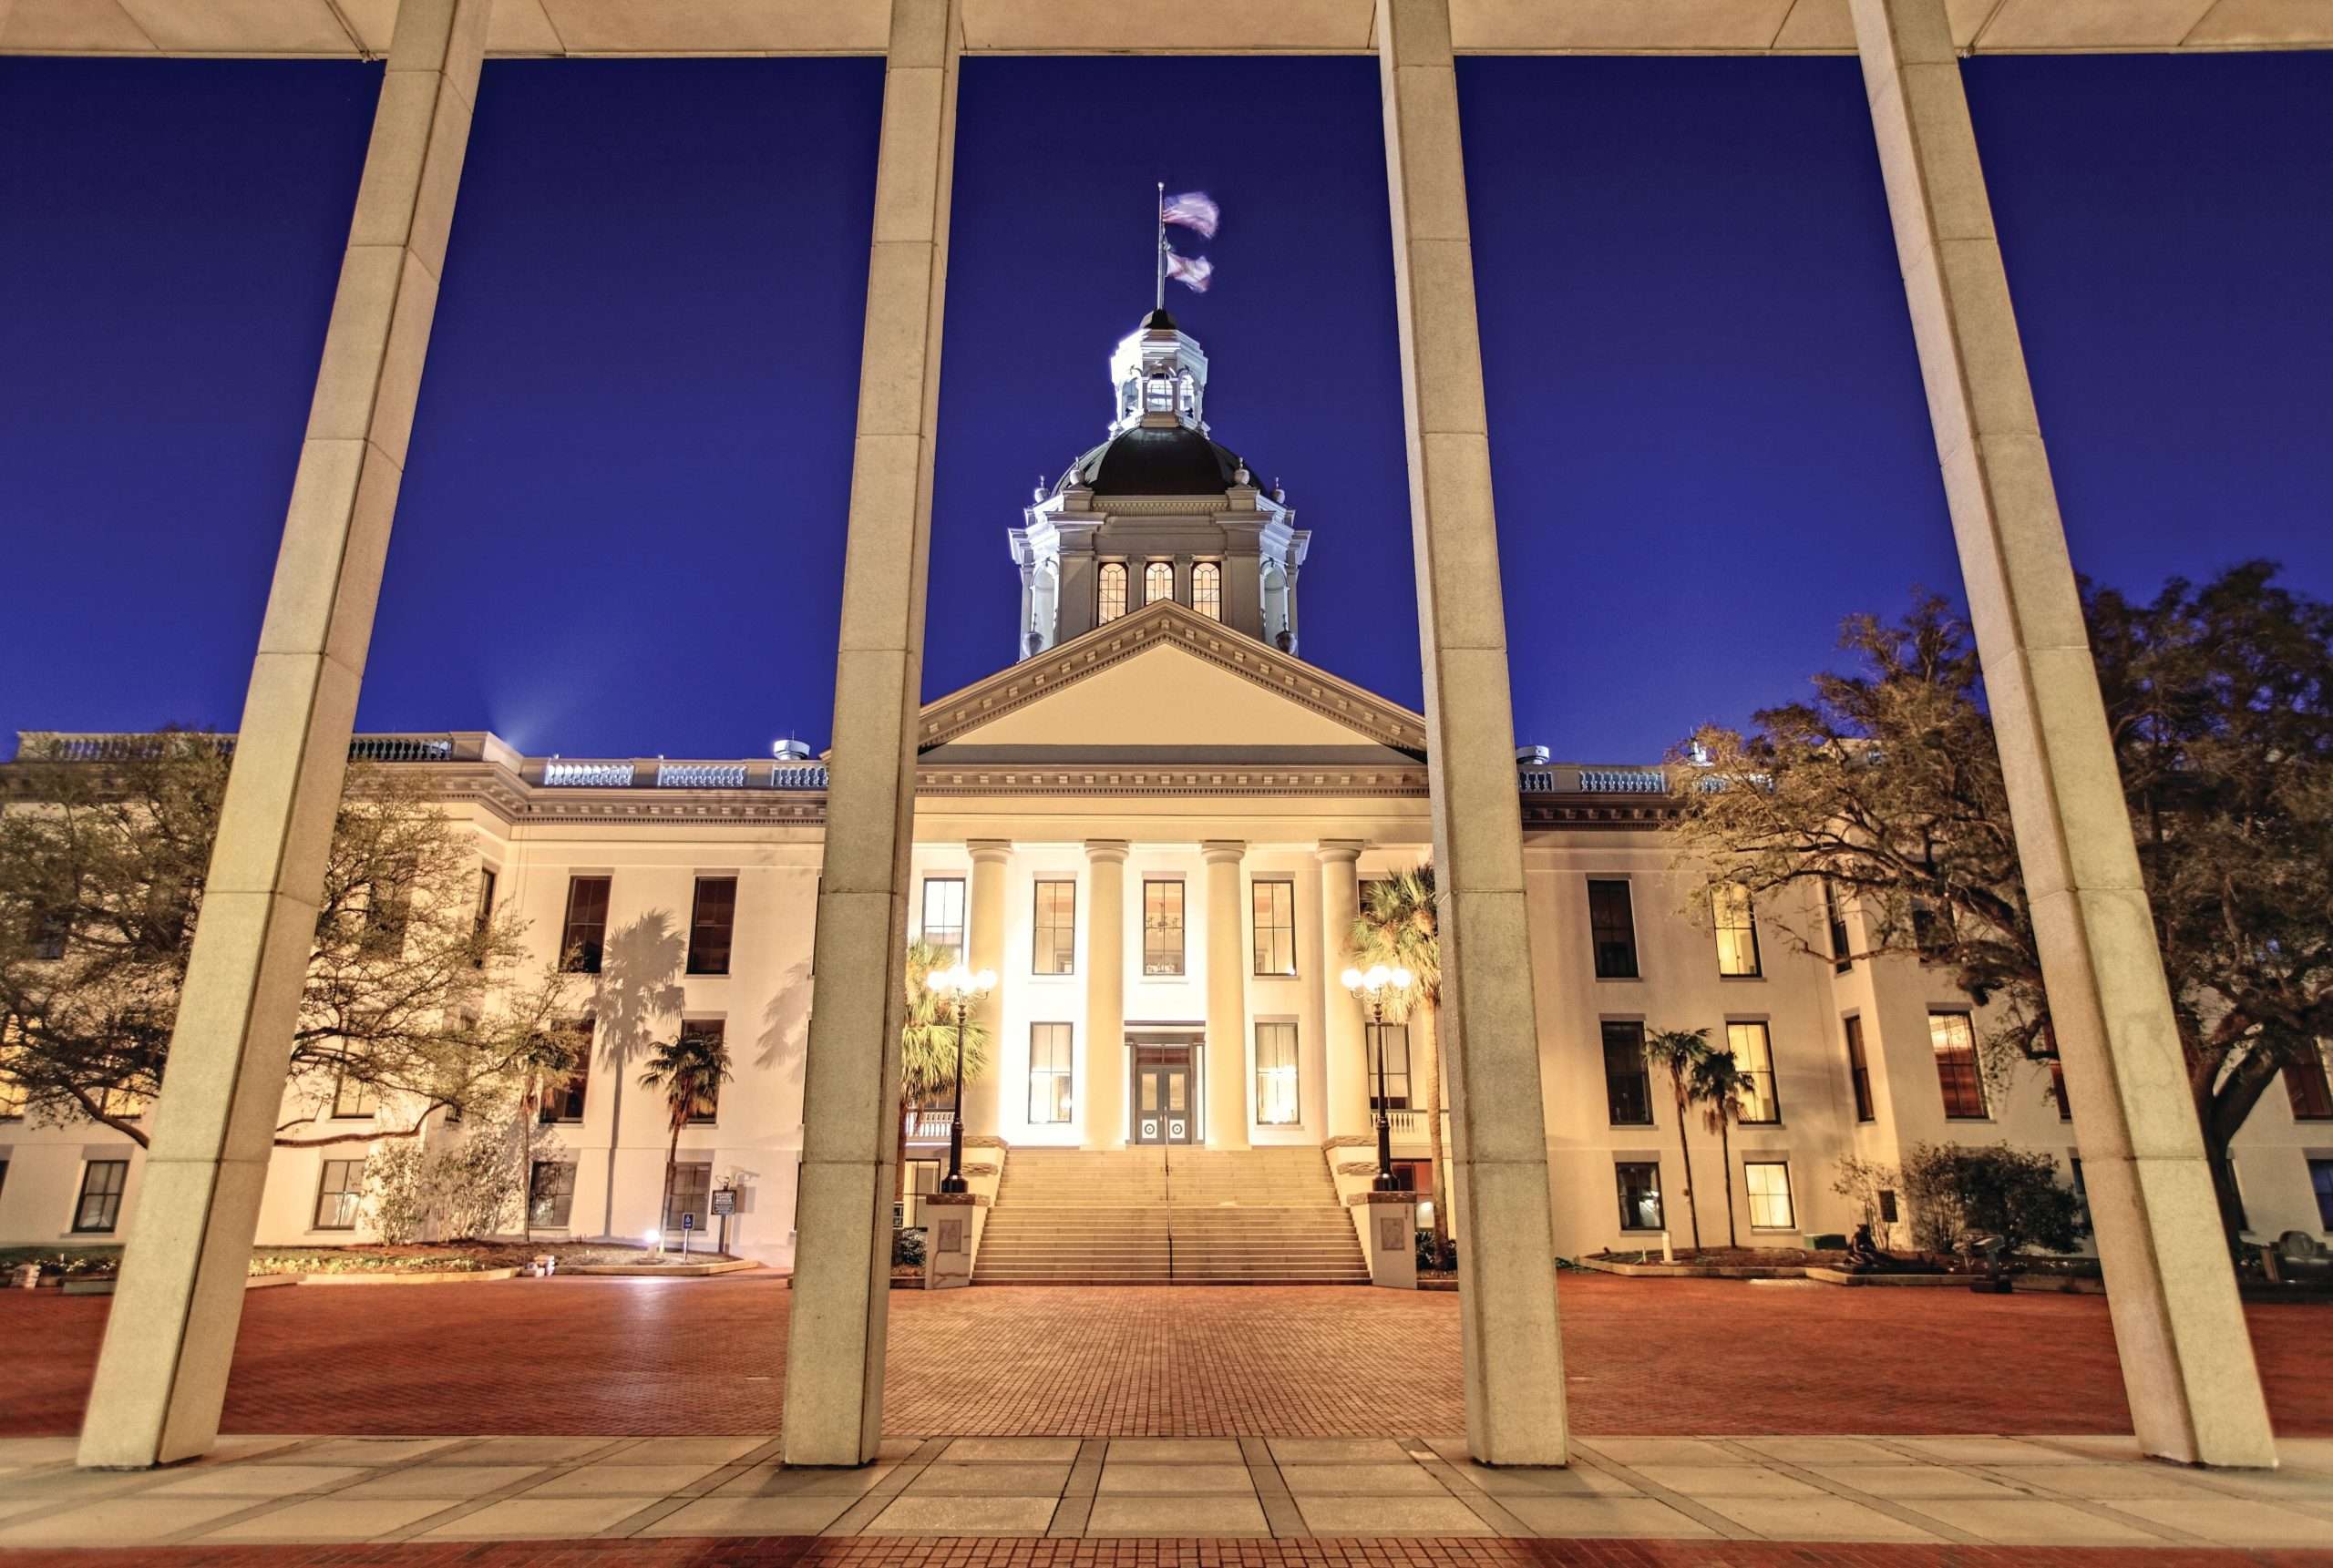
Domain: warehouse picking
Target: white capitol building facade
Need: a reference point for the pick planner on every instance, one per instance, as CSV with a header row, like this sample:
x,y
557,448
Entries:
x,y
1155,828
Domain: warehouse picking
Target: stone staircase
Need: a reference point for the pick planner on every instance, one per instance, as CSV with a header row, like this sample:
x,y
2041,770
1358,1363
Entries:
x,y
1160,1216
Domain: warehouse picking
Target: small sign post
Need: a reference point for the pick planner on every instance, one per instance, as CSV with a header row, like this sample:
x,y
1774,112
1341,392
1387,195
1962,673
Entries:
x,y
724,1203
688,1223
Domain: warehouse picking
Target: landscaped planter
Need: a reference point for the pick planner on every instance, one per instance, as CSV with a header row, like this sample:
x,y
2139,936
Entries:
x,y
1692,1270
665,1270
1843,1277
413,1277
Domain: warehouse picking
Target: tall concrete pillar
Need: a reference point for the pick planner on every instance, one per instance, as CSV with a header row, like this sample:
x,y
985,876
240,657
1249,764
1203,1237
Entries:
x,y
1513,1359
1342,1034
163,1375
1227,998
984,946
1102,1095
2187,1365
842,1272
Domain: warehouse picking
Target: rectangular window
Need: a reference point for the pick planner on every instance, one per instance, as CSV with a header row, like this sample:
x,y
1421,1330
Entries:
x,y
707,1109
1858,1070
712,923
1397,1040
1753,1055
353,1101
100,1205
388,911
944,918
551,1192
1640,1182
1840,960
1627,1081
1272,908
1932,933
1053,950
1612,924
1954,1040
2304,1083
2058,1090
564,1101
1768,1185
483,920
586,931
2320,1181
51,928
1276,1075
1737,931
338,1192
691,1182
1162,927
1050,1058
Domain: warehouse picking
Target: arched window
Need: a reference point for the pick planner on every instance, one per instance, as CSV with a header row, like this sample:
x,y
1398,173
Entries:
x,y
1207,589
1160,394
1113,591
1190,401
1157,581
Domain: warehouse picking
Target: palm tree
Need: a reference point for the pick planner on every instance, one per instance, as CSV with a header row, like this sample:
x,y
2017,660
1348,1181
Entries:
x,y
1398,925
690,1072
1679,1051
1719,1083
928,1047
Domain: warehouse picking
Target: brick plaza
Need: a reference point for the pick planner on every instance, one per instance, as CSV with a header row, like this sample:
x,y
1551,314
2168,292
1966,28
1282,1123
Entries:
x,y
645,1358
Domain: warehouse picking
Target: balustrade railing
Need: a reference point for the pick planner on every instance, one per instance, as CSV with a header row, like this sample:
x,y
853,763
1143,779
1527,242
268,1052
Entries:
x,y
588,775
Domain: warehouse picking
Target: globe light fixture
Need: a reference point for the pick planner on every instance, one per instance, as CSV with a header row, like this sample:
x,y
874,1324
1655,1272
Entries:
x,y
1373,988
958,987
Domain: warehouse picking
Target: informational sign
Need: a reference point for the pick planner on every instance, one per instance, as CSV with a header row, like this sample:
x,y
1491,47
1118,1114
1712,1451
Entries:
x,y
725,1200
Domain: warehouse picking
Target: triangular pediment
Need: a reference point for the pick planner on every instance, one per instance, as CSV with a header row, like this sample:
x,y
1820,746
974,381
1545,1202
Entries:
x,y
1169,680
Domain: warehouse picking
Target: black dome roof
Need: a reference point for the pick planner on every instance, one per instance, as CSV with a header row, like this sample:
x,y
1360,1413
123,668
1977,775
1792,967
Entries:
x,y
1137,461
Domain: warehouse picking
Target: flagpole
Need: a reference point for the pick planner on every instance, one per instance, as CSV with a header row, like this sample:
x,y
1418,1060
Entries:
x,y
1160,212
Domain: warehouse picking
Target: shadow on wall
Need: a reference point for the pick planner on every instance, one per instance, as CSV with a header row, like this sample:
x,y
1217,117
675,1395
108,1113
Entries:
x,y
784,1041
639,987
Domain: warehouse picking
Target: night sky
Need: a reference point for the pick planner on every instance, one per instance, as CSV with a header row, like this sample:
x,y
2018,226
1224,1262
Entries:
x,y
621,530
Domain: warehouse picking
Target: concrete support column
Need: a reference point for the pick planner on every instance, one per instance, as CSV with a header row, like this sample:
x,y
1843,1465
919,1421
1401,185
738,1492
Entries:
x,y
984,944
1341,1035
1102,1095
834,1360
1227,998
2187,1364
1513,1359
161,1378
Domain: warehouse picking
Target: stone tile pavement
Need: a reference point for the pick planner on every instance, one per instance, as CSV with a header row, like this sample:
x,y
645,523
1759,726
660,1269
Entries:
x,y
1926,1491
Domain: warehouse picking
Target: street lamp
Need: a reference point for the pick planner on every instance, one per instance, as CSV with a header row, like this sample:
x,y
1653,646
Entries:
x,y
1373,987
960,987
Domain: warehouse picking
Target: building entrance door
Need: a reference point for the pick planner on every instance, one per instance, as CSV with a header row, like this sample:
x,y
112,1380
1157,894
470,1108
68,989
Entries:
x,y
1162,1102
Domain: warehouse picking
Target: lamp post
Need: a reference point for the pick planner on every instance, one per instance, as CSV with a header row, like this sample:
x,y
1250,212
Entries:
x,y
1372,987
959,988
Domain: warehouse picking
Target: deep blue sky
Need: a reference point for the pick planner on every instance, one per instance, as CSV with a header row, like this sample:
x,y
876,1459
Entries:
x,y
621,528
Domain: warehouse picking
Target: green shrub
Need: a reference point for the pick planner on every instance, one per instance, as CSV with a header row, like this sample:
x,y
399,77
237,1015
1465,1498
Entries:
x,y
1957,1191
906,1249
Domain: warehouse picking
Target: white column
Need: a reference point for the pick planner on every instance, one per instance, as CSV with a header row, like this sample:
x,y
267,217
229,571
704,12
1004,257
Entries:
x,y
2187,1366
834,1360
984,942
1341,1035
163,1375
1227,998
1102,1095
1514,1360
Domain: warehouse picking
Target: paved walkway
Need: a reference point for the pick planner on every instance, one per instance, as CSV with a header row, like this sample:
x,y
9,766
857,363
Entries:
x,y
1966,1491
637,1357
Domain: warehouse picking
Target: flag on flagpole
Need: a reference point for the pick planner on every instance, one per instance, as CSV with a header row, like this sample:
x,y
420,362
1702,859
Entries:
x,y
1193,210
1192,272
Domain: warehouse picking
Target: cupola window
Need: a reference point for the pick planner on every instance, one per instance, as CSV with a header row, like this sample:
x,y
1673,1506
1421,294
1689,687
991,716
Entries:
x,y
1157,581
1158,395
1113,591
1207,589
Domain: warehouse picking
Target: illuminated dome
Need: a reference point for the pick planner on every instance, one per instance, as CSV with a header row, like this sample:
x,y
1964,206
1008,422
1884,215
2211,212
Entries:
x,y
1139,462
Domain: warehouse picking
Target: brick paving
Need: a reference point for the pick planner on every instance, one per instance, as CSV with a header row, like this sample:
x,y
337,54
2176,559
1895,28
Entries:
x,y
880,1552
1651,1358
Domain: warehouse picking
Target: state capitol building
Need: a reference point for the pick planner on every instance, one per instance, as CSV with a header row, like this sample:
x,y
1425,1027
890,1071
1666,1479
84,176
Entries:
x,y
1155,828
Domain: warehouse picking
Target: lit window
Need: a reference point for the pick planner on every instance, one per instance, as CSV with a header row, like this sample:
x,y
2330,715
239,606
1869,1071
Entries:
x,y
1053,947
1207,589
1157,581
338,1194
1162,927
1274,907
1640,1184
944,918
1753,1055
1768,1182
1955,1044
1112,598
1276,1075
1737,931
1395,1038
1049,1073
